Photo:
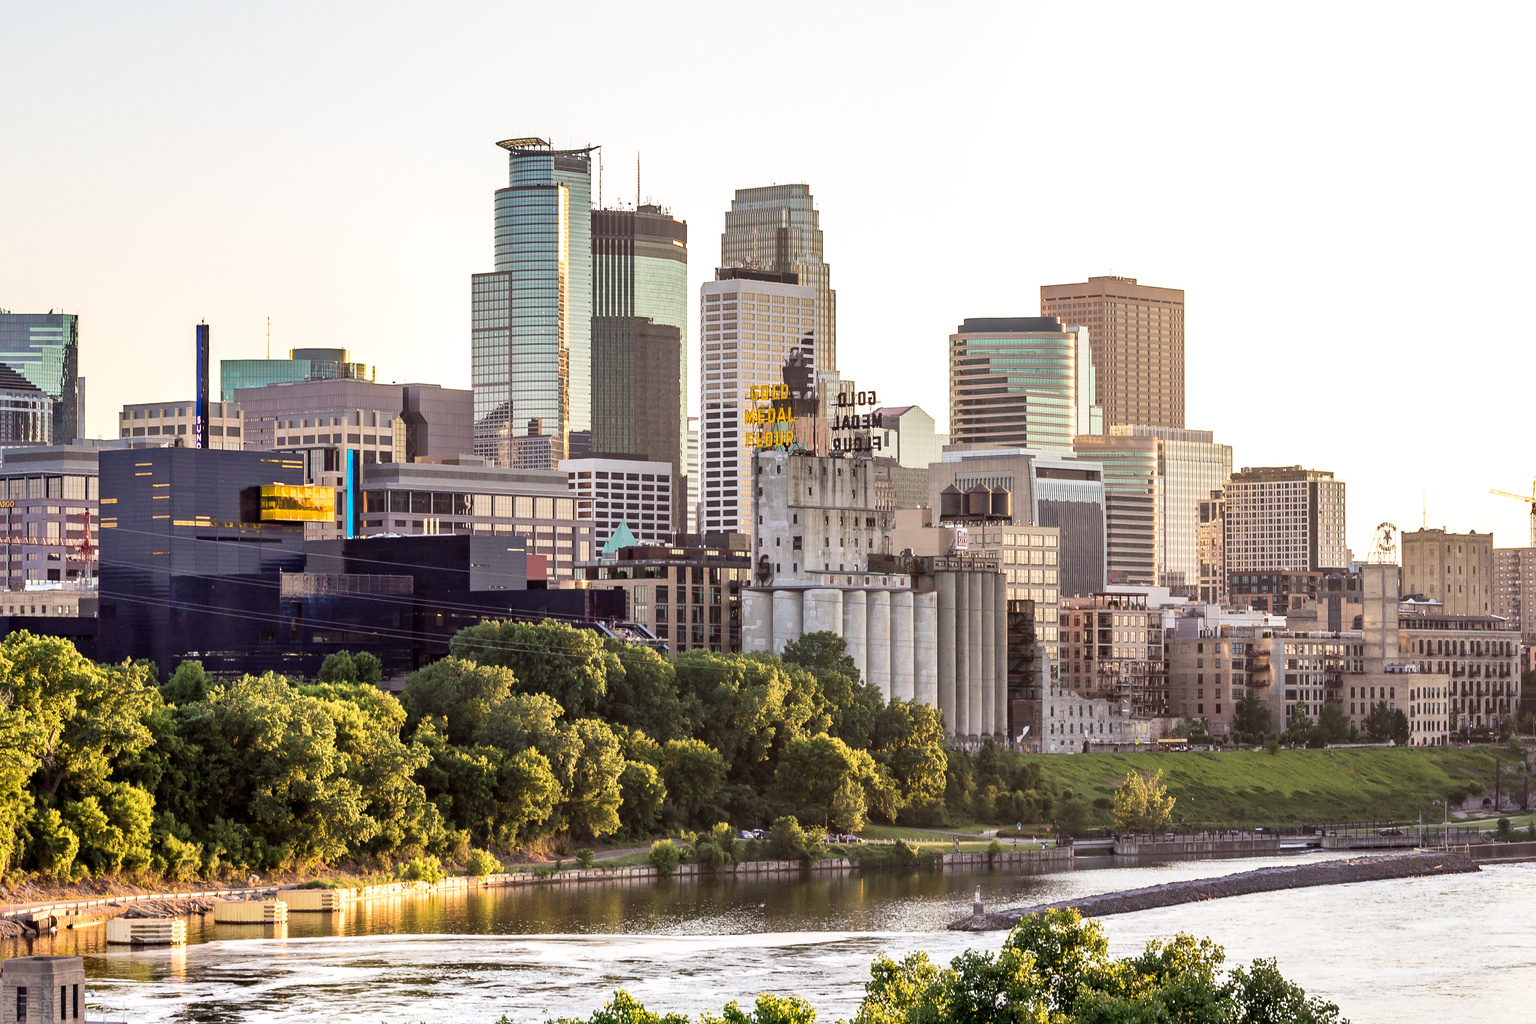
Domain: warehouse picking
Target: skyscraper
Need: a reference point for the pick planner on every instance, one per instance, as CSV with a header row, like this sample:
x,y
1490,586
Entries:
x,y
778,228
1154,480
639,334
1020,382
531,318
1138,345
45,349
1282,519
749,337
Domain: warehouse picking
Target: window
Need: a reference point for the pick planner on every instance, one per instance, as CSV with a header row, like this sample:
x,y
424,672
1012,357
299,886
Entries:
x,y
21,1003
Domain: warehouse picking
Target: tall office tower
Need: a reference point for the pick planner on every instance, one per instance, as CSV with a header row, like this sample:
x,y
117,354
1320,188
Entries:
x,y
1154,481
1021,382
748,337
1283,519
778,228
301,364
1138,345
692,524
1514,569
1455,569
639,338
45,349
1212,541
531,318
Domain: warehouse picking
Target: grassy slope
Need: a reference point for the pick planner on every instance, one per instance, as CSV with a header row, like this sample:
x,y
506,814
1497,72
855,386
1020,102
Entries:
x,y
1294,786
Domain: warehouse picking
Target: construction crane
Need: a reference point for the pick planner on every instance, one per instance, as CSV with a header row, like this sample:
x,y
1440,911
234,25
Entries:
x,y
1531,501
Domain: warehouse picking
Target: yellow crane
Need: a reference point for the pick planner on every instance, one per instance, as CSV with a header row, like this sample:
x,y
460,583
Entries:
x,y
1531,501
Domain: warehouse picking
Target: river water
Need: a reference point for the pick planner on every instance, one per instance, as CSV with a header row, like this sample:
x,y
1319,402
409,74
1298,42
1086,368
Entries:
x,y
1456,947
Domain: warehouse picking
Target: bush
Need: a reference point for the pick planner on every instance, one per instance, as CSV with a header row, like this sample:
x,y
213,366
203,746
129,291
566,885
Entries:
x,y
786,839
1273,745
1504,832
993,849
481,862
709,854
420,869
585,858
905,853
664,856
724,837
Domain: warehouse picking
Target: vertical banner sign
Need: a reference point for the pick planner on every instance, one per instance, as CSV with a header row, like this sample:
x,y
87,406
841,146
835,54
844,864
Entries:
x,y
354,475
200,420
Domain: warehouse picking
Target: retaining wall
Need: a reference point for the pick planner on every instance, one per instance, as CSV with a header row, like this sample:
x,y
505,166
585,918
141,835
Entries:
x,y
1183,846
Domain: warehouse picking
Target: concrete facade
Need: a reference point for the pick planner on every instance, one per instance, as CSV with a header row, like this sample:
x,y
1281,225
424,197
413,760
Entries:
x,y
1456,569
42,989
612,490
152,424
1283,519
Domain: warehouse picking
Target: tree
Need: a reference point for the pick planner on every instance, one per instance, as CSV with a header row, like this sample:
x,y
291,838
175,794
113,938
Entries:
x,y
821,778
1334,723
457,691
1378,723
693,773
642,694
750,706
641,795
345,667
589,776
567,663
1250,717
1401,733
1142,803
822,652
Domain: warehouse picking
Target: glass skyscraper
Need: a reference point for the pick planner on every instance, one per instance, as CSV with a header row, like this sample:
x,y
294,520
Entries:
x,y
45,349
302,364
639,336
531,318
777,228
1020,382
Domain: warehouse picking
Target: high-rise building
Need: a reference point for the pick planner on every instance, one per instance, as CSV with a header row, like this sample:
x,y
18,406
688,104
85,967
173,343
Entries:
x,y
45,349
639,338
301,364
1154,481
748,338
1211,541
157,424
1138,345
531,318
777,228
1282,519
1020,382
1456,569
692,523
26,412
1514,569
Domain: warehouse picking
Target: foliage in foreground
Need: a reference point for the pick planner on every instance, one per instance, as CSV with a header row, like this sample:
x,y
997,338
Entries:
x,y
1054,968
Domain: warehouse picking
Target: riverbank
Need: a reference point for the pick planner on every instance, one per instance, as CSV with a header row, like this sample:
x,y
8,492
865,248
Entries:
x,y
1271,879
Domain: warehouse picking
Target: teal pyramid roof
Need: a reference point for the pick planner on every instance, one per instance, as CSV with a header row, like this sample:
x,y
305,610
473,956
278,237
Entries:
x,y
621,538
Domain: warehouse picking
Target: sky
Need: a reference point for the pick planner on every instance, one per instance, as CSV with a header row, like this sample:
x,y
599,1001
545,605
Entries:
x,y
1342,190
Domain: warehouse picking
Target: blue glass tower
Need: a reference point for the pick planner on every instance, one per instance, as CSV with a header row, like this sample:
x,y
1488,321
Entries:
x,y
45,349
531,318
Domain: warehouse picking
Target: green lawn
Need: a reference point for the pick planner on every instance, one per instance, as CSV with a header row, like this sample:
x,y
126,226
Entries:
x,y
1293,786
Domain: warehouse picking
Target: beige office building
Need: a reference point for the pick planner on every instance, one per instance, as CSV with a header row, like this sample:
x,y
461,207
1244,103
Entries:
x,y
778,228
1455,569
751,326
1513,570
1283,519
154,424
1137,335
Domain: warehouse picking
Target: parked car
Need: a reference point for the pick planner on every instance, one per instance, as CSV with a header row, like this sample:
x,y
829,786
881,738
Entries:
x,y
747,833
1391,832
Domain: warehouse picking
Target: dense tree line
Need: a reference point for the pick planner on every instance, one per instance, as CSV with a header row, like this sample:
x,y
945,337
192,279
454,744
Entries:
x,y
524,735
1054,968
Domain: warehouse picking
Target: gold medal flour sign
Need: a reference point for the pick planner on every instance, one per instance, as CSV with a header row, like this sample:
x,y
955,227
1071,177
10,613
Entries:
x,y
771,427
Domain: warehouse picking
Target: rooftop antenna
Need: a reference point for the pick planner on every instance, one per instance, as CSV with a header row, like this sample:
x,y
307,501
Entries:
x,y
600,180
269,336
637,181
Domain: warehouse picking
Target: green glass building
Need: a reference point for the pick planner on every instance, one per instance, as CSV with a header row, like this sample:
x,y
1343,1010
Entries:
x,y
302,364
1021,382
45,349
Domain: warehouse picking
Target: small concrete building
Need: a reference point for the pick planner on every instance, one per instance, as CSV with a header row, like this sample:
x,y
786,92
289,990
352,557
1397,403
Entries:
x,y
41,989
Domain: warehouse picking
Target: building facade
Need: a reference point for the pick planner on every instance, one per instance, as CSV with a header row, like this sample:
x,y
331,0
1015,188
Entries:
x,y
640,336
777,228
52,516
157,424
464,496
1133,506
632,491
26,411
1020,382
531,317
1456,569
688,597
1137,333
1283,519
45,349
1112,649
754,328
1514,569
1478,654
301,364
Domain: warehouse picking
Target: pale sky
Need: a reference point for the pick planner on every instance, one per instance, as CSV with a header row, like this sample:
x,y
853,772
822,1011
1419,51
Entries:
x,y
1343,191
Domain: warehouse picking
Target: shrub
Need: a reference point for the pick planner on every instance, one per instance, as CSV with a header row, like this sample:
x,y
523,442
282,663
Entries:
x,y
481,862
1504,832
786,839
420,869
905,853
993,849
1273,745
724,837
711,857
585,858
664,856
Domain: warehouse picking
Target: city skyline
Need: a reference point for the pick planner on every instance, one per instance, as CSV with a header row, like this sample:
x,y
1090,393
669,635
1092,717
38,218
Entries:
x,y
1271,244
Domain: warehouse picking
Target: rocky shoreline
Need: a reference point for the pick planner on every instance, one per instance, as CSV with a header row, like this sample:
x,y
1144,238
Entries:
x,y
1290,876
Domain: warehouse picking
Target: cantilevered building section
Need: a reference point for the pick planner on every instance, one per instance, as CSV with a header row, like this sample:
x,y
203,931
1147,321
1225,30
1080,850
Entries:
x,y
531,318
1020,382
1138,345
778,228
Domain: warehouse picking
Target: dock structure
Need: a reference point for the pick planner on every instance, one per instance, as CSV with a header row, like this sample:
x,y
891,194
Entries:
x,y
146,931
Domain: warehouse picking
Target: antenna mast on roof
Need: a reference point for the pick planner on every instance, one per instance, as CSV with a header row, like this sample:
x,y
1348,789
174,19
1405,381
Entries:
x,y
637,181
600,180
269,337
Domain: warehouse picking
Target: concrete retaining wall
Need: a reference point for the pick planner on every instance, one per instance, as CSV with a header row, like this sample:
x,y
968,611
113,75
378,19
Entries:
x,y
1059,858
1183,846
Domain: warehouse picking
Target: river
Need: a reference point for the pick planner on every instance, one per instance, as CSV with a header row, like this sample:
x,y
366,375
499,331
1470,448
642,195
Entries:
x,y
1455,947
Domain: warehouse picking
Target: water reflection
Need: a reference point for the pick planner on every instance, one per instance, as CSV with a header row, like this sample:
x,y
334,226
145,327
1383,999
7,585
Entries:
x,y
694,945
